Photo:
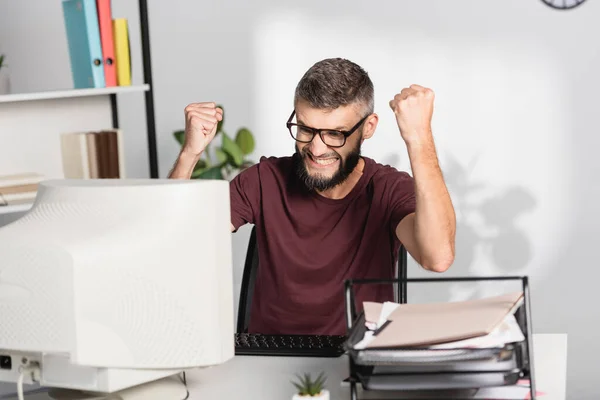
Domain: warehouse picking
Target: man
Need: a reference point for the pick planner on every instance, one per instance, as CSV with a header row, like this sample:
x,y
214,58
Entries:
x,y
326,213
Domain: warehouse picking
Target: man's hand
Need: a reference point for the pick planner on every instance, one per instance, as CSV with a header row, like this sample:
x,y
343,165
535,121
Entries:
x,y
413,108
201,121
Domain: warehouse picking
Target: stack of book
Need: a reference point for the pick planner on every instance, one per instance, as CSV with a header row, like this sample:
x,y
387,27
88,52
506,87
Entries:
x,y
93,155
19,188
98,44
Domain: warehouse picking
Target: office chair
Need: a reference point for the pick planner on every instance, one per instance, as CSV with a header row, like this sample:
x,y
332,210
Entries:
x,y
249,278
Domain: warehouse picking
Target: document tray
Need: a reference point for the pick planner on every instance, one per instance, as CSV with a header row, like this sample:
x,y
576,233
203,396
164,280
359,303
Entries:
x,y
426,368
420,369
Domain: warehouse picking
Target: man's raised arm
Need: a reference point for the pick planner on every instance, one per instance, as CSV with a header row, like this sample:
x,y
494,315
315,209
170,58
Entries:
x,y
429,233
201,121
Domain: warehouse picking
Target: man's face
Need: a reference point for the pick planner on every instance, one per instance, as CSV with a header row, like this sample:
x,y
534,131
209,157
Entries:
x,y
320,166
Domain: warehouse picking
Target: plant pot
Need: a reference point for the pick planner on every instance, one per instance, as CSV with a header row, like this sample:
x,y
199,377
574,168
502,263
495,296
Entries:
x,y
4,82
324,395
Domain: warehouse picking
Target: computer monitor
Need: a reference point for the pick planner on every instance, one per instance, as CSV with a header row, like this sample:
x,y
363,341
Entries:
x,y
107,284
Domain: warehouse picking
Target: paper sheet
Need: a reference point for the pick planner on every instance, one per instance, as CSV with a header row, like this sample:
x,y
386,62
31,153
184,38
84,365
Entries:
x,y
508,331
519,391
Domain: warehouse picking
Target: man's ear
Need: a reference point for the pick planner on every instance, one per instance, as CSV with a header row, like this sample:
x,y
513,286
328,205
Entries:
x,y
370,125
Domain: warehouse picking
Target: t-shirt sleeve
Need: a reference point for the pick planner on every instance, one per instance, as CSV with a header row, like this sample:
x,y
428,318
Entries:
x,y
402,197
244,193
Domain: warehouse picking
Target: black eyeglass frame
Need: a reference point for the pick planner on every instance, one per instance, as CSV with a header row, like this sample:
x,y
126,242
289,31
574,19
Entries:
x,y
316,131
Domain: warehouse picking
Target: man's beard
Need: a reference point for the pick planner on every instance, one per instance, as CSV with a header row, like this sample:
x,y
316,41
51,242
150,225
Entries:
x,y
319,182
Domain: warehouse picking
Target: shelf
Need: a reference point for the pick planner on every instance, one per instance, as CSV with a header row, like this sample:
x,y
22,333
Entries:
x,y
15,208
62,94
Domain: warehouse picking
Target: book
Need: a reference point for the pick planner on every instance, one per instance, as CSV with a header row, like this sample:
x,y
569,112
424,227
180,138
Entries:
x,y
18,189
17,198
83,38
31,187
107,41
75,157
108,154
26,178
90,140
122,51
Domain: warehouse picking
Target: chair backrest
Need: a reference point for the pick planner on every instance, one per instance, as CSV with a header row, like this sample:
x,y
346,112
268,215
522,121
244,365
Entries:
x,y
251,268
248,280
402,275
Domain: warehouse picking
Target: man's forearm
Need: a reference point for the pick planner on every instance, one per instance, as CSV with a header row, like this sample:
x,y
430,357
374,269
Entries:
x,y
435,221
184,166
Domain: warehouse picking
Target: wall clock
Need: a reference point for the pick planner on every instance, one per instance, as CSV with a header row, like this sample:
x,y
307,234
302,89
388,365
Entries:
x,y
563,4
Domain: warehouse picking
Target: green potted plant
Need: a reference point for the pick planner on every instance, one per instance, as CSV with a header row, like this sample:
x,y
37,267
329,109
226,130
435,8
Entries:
x,y
4,80
309,389
228,159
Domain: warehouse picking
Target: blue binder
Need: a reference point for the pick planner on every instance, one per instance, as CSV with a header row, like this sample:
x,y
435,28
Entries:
x,y
83,36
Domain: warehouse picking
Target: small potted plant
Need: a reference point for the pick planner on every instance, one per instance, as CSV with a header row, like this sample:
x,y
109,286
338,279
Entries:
x,y
309,389
4,81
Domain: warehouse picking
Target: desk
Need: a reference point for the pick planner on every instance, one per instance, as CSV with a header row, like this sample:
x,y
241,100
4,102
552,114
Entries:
x,y
266,378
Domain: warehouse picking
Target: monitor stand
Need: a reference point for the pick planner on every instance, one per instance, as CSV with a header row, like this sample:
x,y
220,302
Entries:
x,y
170,388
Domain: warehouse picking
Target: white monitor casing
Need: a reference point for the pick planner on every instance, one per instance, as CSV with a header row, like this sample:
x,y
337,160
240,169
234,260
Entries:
x,y
112,283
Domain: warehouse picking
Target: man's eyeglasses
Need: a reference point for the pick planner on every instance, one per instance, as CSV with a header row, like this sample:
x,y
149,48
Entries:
x,y
332,138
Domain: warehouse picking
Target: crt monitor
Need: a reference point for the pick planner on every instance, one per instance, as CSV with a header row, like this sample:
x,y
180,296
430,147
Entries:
x,y
106,284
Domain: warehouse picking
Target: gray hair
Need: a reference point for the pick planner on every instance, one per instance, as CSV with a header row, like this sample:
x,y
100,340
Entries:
x,y
336,82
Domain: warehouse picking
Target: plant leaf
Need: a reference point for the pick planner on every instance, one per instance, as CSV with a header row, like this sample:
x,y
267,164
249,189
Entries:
x,y
220,123
207,156
201,164
197,172
245,141
320,382
199,168
299,384
299,387
179,136
322,377
233,150
221,155
308,382
211,173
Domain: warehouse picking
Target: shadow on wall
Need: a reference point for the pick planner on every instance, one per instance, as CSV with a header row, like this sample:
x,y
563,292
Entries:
x,y
489,239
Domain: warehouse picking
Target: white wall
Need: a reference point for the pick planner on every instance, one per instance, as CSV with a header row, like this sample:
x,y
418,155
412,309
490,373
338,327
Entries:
x,y
515,119
515,84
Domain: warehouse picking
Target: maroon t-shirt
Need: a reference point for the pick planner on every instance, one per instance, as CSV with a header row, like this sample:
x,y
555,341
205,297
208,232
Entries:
x,y
309,245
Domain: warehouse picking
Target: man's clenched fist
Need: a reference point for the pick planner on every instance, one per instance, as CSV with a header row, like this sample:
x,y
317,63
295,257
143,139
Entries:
x,y
201,121
413,108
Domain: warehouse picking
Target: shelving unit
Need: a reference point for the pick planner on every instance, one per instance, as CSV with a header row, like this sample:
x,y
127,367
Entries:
x,y
62,94
112,92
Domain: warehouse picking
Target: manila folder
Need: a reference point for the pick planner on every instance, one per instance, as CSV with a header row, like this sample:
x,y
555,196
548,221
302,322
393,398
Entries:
x,y
427,324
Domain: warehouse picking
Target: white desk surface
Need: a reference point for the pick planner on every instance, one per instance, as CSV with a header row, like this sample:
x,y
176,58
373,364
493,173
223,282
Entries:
x,y
264,378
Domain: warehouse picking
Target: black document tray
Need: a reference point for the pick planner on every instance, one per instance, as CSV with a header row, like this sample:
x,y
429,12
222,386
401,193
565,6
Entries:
x,y
402,369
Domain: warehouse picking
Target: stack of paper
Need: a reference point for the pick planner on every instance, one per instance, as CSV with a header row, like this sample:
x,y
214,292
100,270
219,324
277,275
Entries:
x,y
482,323
19,188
